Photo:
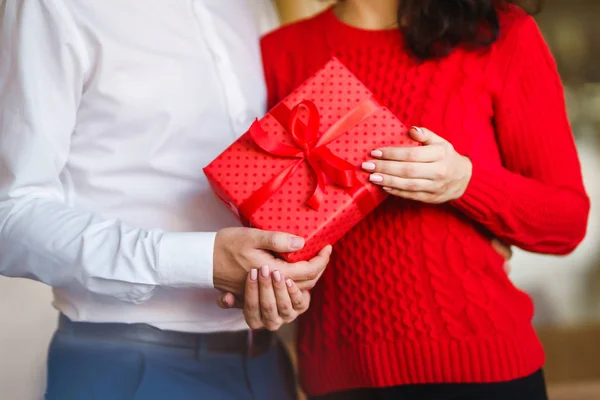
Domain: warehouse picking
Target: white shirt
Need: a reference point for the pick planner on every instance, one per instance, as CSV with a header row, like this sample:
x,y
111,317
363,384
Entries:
x,y
109,110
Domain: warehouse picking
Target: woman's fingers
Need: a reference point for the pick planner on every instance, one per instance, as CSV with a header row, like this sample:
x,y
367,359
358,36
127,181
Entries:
x,y
404,184
284,302
433,148
502,248
268,301
252,301
425,136
300,298
505,251
414,170
409,154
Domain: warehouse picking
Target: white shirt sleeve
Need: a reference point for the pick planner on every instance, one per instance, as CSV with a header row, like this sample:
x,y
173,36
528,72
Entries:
x,y
42,75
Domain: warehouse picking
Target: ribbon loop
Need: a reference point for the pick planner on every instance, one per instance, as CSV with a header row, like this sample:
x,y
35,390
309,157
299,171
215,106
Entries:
x,y
305,135
262,140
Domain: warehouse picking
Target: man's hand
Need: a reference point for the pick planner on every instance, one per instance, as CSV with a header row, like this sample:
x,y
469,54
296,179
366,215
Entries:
x,y
271,300
239,250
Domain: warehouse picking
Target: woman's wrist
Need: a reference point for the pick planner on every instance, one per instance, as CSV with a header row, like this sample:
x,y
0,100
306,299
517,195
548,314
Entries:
x,y
465,174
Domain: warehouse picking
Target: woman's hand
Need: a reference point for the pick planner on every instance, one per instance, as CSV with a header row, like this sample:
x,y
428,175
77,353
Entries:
x,y
505,251
433,173
270,300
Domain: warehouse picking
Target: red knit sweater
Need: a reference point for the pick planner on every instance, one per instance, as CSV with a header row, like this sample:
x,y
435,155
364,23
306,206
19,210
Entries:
x,y
415,293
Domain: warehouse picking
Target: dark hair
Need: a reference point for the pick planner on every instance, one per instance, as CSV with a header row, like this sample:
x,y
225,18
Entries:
x,y
433,28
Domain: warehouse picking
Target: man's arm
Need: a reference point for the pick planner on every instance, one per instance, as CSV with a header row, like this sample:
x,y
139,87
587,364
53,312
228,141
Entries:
x,y
42,73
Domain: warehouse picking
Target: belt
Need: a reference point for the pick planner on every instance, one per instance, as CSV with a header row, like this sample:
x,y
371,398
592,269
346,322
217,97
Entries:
x,y
246,343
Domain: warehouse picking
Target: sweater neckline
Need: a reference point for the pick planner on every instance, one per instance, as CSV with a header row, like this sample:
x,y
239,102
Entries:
x,y
353,34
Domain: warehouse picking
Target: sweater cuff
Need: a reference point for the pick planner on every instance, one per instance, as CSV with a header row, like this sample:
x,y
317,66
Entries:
x,y
485,194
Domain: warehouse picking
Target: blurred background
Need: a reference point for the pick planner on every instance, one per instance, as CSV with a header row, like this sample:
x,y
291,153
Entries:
x,y
566,290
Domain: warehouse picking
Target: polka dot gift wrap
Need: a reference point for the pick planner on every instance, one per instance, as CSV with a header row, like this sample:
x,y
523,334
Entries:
x,y
297,170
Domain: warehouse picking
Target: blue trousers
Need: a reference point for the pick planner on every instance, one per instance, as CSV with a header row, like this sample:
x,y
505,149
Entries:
x,y
103,369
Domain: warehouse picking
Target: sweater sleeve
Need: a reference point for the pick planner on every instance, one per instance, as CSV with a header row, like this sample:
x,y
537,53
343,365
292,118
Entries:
x,y
535,200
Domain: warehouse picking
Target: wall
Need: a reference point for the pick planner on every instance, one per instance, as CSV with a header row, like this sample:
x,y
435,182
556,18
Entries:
x,y
27,321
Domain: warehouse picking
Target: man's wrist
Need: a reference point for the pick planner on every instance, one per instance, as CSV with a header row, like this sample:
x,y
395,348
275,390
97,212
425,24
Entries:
x,y
186,259
218,251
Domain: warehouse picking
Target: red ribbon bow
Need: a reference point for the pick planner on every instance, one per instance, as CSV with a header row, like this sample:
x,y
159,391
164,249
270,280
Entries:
x,y
311,146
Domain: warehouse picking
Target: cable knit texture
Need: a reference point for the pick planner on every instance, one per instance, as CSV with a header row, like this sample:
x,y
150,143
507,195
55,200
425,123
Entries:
x,y
415,293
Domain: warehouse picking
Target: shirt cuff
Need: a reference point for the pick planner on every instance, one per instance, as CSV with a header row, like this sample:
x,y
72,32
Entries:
x,y
186,260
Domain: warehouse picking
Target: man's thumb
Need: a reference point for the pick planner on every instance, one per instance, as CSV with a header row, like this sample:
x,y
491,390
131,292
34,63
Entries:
x,y
280,242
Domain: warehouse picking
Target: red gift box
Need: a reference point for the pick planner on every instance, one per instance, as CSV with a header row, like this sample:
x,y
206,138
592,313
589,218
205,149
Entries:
x,y
298,169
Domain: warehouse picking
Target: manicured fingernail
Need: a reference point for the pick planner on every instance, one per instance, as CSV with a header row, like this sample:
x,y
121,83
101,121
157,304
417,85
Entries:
x,y
377,153
296,243
418,130
387,189
329,249
376,178
289,283
277,276
264,271
253,274
368,166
